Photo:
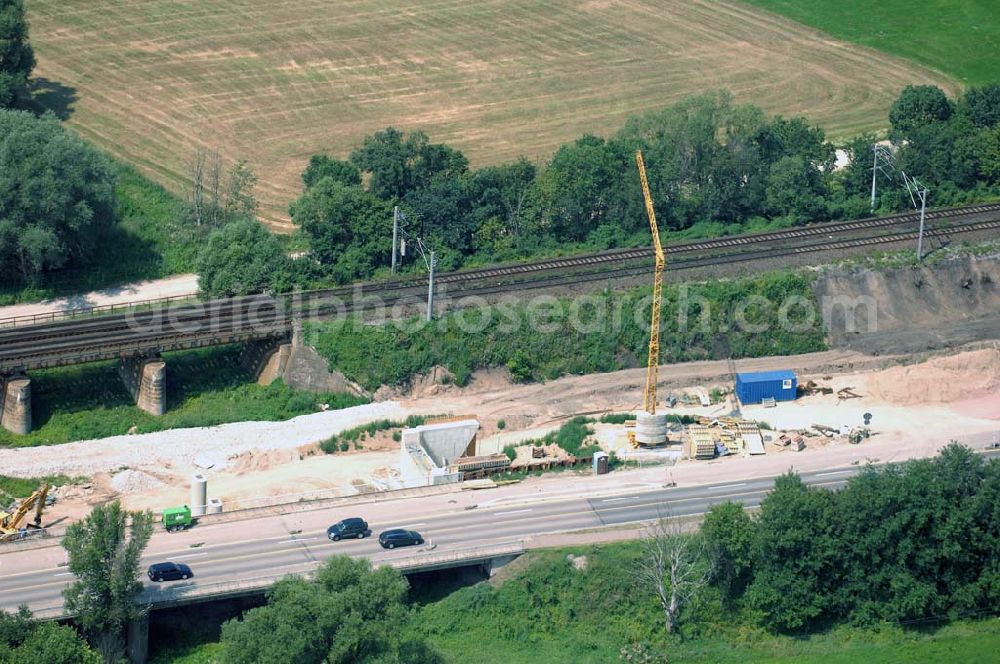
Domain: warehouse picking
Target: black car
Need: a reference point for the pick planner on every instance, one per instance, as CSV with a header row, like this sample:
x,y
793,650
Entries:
x,y
169,572
390,539
353,527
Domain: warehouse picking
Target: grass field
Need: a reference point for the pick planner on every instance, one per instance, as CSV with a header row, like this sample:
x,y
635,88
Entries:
x,y
958,37
275,81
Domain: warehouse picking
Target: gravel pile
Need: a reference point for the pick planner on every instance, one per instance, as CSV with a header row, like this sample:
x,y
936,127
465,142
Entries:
x,y
179,447
134,481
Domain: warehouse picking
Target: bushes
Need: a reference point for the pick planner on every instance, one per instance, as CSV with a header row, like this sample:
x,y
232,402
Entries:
x,y
545,339
343,440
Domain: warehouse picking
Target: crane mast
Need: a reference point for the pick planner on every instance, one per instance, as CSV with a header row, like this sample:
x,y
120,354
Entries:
x,y
653,362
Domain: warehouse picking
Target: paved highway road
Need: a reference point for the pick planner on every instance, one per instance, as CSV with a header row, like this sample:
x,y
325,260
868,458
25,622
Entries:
x,y
276,545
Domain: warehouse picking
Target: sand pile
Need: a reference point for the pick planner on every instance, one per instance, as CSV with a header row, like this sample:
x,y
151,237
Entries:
x,y
134,481
941,380
257,459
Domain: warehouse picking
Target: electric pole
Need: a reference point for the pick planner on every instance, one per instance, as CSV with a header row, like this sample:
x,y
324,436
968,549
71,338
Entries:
x,y
430,260
430,289
917,190
395,236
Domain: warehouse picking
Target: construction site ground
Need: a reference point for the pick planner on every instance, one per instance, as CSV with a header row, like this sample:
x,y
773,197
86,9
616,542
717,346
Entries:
x,y
917,404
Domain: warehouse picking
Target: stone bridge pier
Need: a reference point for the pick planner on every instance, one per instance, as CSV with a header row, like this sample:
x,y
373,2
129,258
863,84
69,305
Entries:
x,y
146,380
15,415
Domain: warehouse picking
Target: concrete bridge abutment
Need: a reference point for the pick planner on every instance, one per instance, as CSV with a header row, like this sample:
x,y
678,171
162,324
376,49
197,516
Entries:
x,y
146,380
266,359
15,415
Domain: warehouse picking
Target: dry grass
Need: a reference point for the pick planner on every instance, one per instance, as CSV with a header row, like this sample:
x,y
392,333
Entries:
x,y
277,80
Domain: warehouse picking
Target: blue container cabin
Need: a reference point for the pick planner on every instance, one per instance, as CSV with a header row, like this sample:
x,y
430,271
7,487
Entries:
x,y
755,387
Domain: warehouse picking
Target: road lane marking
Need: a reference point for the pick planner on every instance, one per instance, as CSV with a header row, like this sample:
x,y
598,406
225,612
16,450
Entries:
x,y
836,472
513,512
301,539
63,574
615,500
725,486
190,555
412,525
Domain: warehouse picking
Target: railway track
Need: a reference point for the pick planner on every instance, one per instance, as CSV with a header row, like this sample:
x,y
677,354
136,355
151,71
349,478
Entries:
x,y
259,316
606,268
769,238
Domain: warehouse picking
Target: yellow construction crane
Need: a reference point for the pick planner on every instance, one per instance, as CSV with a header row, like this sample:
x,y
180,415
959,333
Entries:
x,y
653,362
13,523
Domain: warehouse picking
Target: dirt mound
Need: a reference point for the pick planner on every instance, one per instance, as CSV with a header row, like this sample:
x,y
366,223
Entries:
x,y
940,380
134,481
439,381
257,459
945,305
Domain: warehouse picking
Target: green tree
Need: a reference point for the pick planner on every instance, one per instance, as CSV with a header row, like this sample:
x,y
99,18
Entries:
x,y
795,187
795,553
784,137
728,533
583,187
502,195
918,106
17,58
399,163
349,229
989,155
241,258
442,210
321,166
982,105
104,551
856,177
921,539
350,613
56,197
23,641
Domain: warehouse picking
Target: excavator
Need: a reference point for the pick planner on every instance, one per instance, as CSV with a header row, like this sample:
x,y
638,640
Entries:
x,y
14,525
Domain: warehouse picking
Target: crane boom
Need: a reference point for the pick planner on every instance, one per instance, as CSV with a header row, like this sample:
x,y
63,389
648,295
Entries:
x,y
653,362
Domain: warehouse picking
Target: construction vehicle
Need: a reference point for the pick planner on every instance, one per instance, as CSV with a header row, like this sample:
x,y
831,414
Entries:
x,y
653,360
177,518
13,525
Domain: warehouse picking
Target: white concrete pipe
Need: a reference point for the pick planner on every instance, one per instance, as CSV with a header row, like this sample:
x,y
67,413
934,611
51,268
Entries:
x,y
199,494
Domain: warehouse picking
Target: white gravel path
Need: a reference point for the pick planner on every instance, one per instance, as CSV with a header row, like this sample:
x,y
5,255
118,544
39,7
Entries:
x,y
175,286
181,446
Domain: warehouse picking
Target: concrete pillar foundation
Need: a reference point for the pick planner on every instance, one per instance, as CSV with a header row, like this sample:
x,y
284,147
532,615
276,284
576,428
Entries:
x,y
16,414
137,640
146,380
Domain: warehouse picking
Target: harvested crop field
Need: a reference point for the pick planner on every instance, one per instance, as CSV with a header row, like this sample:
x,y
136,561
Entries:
x,y
277,81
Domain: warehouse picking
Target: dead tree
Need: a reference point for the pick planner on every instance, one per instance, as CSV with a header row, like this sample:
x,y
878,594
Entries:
x,y
241,199
214,184
197,192
675,565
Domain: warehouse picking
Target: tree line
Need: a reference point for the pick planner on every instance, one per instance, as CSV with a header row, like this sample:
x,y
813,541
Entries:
x,y
907,544
715,167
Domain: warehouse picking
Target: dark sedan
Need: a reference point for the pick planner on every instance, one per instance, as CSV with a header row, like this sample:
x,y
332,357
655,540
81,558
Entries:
x,y
390,539
169,572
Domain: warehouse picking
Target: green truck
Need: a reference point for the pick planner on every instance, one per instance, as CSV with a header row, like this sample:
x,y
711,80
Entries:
x,y
177,518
